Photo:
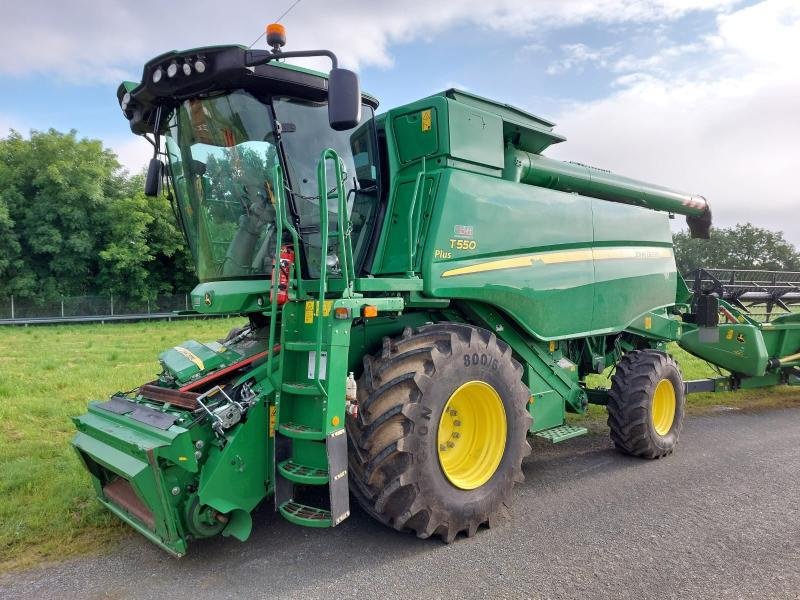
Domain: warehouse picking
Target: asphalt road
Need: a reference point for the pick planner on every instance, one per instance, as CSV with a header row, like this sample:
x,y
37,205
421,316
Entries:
x,y
718,519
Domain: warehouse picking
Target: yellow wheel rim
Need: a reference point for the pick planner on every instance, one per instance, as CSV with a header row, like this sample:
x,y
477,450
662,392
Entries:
x,y
472,435
663,413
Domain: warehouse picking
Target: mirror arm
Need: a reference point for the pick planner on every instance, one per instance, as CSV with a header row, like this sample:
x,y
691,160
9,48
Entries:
x,y
254,58
156,133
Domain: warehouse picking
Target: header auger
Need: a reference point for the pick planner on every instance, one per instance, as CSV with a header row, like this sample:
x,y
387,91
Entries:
x,y
423,290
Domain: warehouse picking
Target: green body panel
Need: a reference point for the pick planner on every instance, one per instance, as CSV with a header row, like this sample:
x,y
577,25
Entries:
x,y
528,250
741,348
235,479
745,348
564,276
191,358
231,297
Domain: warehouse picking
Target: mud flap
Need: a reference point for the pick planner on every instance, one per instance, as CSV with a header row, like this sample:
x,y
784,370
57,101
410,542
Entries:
x,y
336,447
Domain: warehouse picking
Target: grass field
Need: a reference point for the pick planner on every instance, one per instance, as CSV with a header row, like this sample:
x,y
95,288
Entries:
x,y
49,373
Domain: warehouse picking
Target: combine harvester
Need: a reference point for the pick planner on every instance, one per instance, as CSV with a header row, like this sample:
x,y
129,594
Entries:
x,y
423,289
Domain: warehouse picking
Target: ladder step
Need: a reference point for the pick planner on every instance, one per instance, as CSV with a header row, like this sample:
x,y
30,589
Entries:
x,y
300,346
302,473
300,432
300,389
564,432
307,516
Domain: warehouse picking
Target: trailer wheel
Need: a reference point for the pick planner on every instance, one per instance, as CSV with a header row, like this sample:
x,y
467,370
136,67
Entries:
x,y
441,432
646,404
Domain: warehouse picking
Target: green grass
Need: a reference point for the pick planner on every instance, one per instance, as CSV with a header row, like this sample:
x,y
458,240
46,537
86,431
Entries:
x,y
47,375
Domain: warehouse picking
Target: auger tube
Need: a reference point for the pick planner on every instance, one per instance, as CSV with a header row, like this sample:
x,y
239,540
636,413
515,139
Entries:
x,y
534,169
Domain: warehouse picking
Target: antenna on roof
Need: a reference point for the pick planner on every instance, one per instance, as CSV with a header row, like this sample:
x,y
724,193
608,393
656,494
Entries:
x,y
286,12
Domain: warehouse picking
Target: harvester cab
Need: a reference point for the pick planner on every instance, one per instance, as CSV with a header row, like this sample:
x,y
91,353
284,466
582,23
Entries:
x,y
423,290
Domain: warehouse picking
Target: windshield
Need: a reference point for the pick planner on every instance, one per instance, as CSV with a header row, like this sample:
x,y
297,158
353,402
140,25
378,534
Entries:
x,y
305,133
221,154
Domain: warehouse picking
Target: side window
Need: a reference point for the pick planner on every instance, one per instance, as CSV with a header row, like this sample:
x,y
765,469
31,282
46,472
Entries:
x,y
364,204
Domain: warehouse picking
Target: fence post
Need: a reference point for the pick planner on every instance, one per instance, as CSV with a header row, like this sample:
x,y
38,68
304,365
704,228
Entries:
x,y
185,298
12,307
148,306
62,307
112,304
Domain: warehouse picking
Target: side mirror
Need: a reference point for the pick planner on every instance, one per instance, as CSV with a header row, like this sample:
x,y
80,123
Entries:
x,y
344,99
152,183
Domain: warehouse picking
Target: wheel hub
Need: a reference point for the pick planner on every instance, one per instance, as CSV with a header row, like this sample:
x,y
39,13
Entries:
x,y
663,411
472,435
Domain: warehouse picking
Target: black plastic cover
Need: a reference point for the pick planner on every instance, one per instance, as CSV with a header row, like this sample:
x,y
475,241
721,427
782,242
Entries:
x,y
152,183
117,405
700,226
152,417
344,99
706,309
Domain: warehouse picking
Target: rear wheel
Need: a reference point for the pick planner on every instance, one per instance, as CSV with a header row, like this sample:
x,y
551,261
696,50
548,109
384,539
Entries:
x,y
646,404
441,433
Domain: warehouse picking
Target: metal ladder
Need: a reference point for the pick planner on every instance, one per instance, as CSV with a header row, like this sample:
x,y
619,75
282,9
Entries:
x,y
310,445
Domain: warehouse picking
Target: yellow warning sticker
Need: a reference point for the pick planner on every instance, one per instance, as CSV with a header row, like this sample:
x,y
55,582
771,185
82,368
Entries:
x,y
729,335
272,410
312,310
426,120
648,322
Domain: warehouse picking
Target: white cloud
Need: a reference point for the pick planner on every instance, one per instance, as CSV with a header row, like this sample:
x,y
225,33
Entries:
x,y
578,55
725,126
104,41
133,153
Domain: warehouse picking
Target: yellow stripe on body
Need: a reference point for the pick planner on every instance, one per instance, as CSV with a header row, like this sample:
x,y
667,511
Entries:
x,y
560,257
191,356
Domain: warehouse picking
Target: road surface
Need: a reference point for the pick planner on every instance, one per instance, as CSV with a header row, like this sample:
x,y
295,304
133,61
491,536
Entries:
x,y
718,519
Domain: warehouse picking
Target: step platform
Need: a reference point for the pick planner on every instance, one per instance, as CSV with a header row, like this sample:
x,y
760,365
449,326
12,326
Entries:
x,y
562,433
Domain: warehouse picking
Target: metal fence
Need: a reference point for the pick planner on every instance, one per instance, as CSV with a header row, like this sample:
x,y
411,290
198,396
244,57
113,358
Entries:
x,y
15,310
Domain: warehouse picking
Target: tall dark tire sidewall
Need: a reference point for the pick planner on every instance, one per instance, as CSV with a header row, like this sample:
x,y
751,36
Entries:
x,y
412,379
631,403
452,374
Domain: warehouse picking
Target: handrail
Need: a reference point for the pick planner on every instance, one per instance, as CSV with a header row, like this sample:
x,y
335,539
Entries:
x,y
343,224
411,242
280,198
277,186
322,186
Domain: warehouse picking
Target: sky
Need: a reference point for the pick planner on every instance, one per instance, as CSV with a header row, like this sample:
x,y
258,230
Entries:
x,y
699,95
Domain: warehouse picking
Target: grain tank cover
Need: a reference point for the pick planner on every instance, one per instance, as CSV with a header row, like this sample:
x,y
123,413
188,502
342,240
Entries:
x,y
522,129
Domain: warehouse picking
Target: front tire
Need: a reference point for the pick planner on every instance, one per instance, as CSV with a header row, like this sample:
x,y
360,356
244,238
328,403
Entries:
x,y
646,404
441,432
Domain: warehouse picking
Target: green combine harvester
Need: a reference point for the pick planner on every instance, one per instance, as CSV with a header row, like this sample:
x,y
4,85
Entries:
x,y
423,291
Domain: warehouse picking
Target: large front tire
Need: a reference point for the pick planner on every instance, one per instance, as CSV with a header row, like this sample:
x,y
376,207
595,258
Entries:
x,y
441,432
646,404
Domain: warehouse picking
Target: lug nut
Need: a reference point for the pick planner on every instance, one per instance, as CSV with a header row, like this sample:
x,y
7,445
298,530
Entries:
x,y
176,490
199,444
456,435
450,444
457,423
198,455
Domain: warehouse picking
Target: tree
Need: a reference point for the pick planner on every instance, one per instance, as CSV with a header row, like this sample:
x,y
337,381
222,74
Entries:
x,y
73,222
744,246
